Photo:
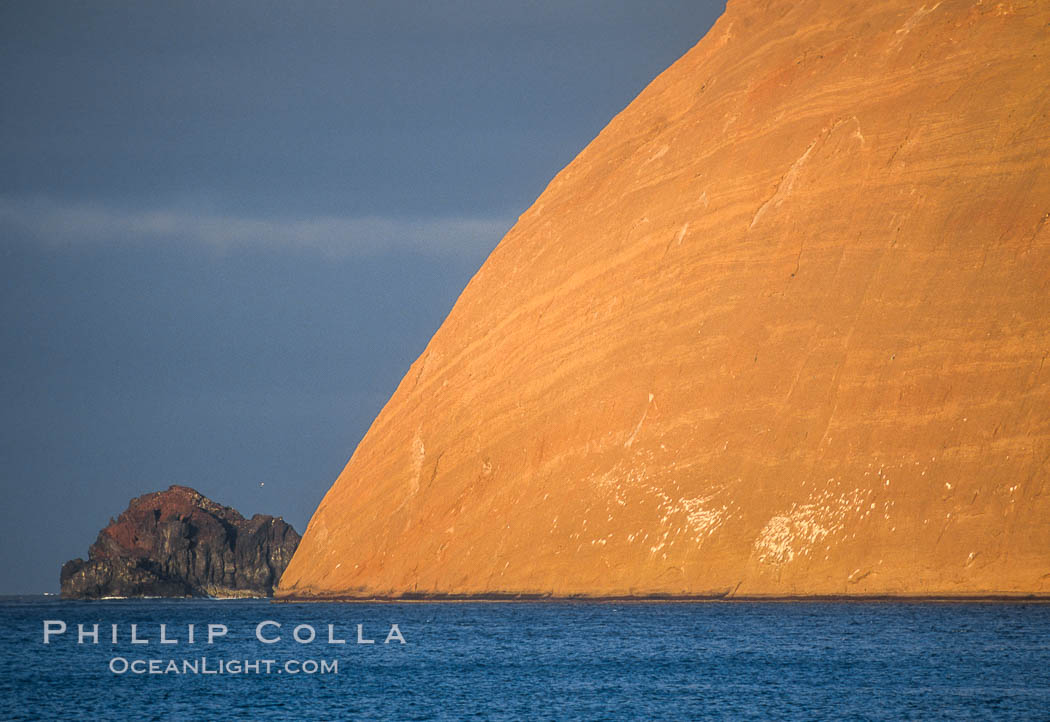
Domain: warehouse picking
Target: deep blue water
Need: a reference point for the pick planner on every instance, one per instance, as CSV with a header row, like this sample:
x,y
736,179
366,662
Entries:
x,y
735,660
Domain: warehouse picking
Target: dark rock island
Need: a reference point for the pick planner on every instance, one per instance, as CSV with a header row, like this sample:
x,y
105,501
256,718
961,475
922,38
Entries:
x,y
179,543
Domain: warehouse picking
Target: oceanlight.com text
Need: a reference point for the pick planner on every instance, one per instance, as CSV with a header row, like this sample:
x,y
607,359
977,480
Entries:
x,y
204,665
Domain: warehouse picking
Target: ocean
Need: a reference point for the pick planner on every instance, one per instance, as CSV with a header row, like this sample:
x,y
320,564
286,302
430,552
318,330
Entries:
x,y
523,660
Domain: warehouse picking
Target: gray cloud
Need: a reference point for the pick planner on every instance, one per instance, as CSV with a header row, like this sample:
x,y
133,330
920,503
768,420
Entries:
x,y
69,224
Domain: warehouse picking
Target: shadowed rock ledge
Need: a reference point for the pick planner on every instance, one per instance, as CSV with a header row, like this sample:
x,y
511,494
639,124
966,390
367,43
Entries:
x,y
179,543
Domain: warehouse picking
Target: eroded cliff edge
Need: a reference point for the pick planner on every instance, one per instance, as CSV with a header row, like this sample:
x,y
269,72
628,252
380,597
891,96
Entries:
x,y
179,543
782,328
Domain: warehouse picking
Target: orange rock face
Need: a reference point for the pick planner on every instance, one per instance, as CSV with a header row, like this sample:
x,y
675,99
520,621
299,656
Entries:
x,y
782,328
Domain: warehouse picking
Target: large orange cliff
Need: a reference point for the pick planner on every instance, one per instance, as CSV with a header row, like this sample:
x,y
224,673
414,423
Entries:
x,y
782,328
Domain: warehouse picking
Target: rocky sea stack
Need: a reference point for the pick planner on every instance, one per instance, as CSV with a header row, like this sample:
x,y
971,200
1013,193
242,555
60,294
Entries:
x,y
781,329
179,543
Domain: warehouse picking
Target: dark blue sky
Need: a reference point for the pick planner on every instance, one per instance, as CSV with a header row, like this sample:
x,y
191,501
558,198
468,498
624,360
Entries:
x,y
227,228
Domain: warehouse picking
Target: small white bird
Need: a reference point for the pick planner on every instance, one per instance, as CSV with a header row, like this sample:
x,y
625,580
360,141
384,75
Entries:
x,y
262,484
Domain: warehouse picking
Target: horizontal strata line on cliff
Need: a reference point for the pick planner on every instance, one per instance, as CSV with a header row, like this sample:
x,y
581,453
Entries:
x,y
538,597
